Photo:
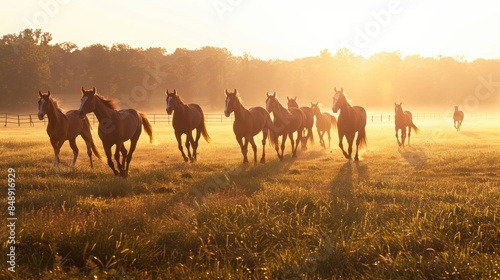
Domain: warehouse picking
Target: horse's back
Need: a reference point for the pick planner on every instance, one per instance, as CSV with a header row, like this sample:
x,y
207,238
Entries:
x,y
197,115
299,118
458,116
260,119
360,116
75,123
309,116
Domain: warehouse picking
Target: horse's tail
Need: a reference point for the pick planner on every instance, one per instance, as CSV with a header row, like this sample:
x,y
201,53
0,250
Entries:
x,y
272,134
147,126
415,128
204,131
87,125
333,120
362,137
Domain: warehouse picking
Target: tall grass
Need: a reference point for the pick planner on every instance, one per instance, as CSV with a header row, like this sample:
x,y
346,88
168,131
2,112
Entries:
x,y
427,212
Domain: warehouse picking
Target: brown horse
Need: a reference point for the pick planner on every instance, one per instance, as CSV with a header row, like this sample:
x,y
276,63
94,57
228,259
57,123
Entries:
x,y
186,118
115,127
292,103
286,123
62,127
247,124
458,117
402,120
351,119
324,123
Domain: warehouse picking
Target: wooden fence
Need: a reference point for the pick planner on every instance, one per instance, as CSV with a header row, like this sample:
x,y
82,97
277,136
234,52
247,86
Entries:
x,y
32,119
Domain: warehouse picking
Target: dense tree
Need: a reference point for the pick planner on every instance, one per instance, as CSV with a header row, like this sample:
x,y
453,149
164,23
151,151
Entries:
x,y
138,77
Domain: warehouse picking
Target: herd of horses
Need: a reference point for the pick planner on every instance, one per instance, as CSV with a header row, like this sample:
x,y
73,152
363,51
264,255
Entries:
x,y
118,126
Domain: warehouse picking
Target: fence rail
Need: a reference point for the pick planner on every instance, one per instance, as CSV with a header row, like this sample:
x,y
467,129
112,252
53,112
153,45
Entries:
x,y
32,119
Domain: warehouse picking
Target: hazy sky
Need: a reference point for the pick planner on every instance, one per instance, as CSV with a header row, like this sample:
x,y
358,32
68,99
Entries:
x,y
269,29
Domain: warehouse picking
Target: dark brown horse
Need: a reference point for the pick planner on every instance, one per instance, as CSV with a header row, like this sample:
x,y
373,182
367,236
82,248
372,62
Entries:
x,y
286,123
247,124
62,127
351,119
186,118
292,103
115,127
324,123
458,117
402,120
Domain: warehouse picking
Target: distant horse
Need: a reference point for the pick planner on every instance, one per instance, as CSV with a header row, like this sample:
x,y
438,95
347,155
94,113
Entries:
x,y
62,127
458,117
292,103
324,123
351,119
115,127
186,118
286,122
247,124
402,120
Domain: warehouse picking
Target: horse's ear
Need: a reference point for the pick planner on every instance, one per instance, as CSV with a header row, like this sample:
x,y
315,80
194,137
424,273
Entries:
x,y
342,89
335,88
274,94
166,91
83,91
93,90
227,92
267,93
287,98
175,91
235,91
295,99
48,93
40,93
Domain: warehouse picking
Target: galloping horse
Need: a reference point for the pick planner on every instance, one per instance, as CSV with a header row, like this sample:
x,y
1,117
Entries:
x,y
403,119
115,127
247,124
286,123
324,122
458,117
62,127
186,118
351,119
292,103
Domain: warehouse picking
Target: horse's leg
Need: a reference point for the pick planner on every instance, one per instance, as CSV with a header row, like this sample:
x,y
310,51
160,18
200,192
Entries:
x,y
243,149
189,143
72,144
179,145
107,151
321,140
409,134
329,138
87,137
119,148
350,140
341,138
265,132
124,154
397,137
254,148
283,140
195,142
133,144
57,148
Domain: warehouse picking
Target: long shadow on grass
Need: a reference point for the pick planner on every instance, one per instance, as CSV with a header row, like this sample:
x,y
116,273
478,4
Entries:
x,y
240,178
347,178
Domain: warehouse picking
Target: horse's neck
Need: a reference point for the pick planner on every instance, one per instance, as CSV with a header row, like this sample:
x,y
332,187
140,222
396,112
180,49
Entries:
x,y
182,108
346,109
400,115
283,113
54,115
102,111
239,110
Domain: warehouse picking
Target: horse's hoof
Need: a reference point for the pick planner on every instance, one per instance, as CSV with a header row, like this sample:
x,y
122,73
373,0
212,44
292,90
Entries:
x,y
356,158
262,160
186,159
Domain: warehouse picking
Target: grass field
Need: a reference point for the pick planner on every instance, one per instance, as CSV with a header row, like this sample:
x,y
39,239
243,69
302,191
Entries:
x,y
428,211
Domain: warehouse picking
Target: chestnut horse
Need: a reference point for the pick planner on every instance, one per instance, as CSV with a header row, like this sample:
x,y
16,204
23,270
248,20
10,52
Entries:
x,y
186,118
351,119
324,123
286,123
247,124
62,127
115,127
292,103
458,117
402,120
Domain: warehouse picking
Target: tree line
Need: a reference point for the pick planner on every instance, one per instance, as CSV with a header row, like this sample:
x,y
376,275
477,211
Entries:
x,y
138,77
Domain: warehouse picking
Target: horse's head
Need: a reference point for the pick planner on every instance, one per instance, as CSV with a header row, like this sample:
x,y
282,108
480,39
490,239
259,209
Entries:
x,y
292,102
43,104
456,108
88,102
338,100
271,102
231,102
172,101
398,108
315,108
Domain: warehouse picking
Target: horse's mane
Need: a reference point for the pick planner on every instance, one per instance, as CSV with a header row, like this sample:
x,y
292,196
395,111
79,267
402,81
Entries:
x,y
282,111
57,103
110,103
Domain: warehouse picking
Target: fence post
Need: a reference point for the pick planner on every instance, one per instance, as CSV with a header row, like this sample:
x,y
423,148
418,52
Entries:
x,y
18,120
31,121
5,119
